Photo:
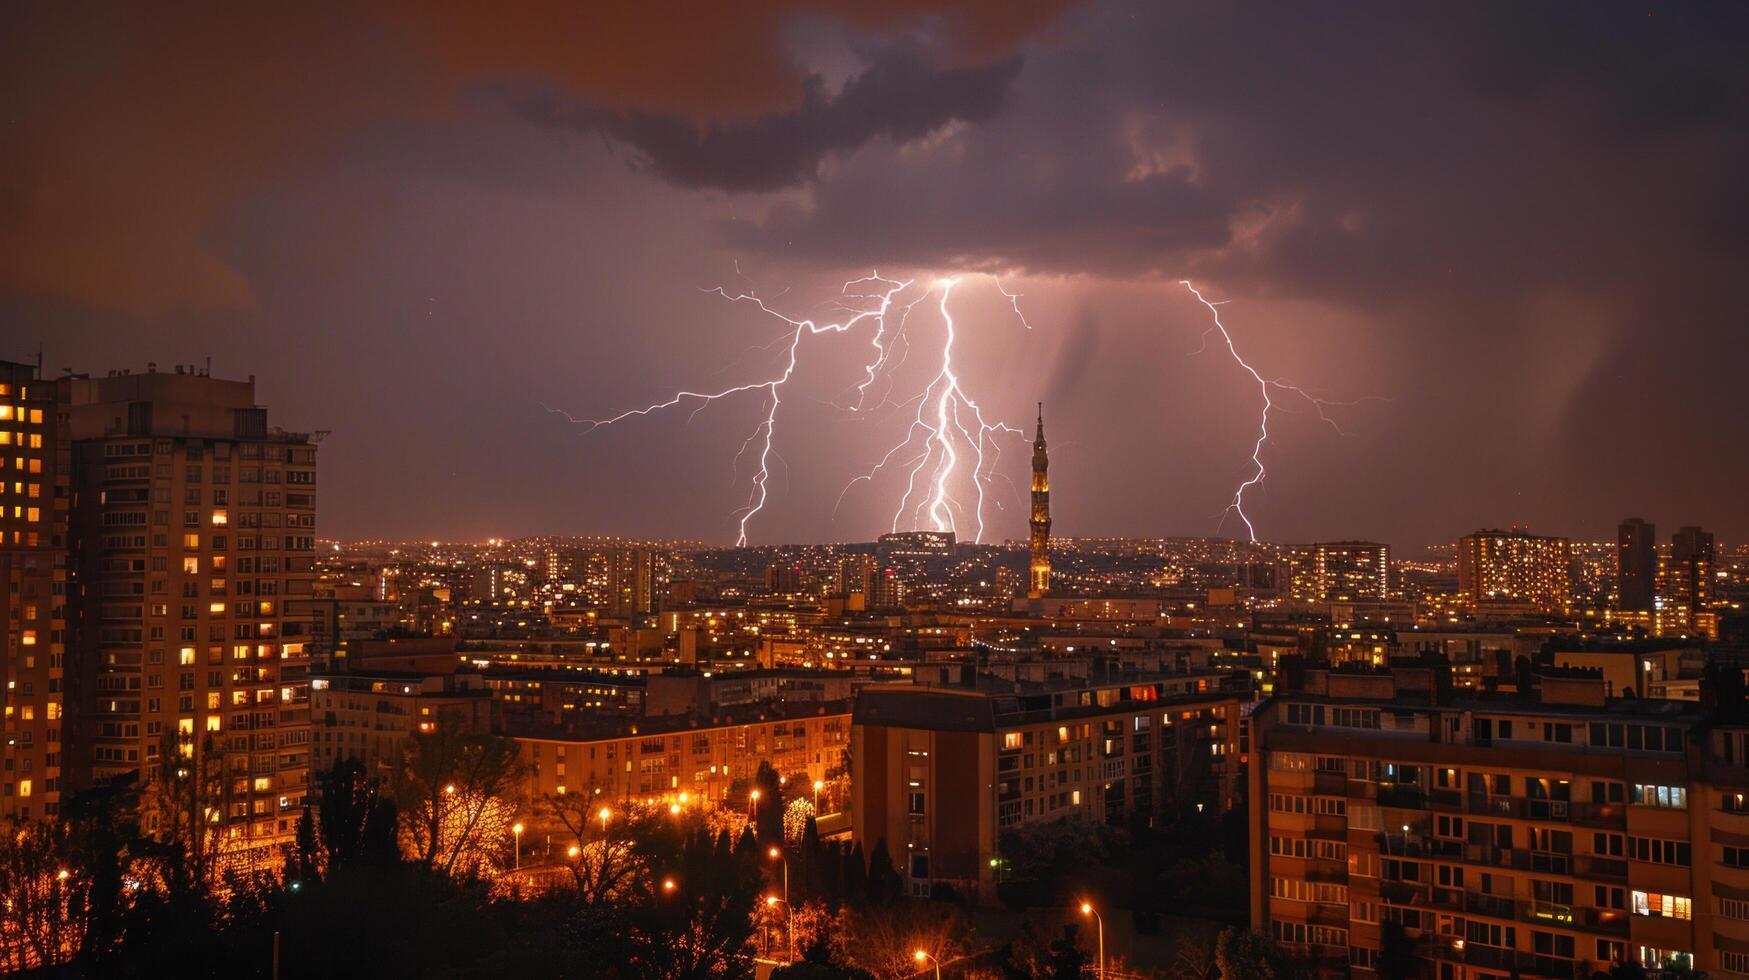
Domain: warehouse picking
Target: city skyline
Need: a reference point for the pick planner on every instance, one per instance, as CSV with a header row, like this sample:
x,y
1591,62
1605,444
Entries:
x,y
1472,218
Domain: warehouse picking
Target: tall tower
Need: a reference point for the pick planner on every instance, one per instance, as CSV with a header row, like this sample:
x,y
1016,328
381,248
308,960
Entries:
x,y
1040,579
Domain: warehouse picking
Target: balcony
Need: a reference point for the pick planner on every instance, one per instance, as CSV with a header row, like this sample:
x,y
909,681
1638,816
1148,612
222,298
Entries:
x,y
1402,797
1496,906
1606,815
1613,869
1403,892
1496,806
1447,800
1547,809
1330,783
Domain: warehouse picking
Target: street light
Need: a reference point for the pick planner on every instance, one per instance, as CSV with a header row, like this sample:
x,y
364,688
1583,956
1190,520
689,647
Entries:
x,y
1088,909
516,833
574,852
818,786
667,884
924,958
603,814
776,854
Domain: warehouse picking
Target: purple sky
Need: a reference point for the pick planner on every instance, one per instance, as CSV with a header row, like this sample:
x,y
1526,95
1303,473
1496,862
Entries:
x,y
1513,235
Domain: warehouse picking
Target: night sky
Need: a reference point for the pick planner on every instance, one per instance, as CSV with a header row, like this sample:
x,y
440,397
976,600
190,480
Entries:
x,y
1514,236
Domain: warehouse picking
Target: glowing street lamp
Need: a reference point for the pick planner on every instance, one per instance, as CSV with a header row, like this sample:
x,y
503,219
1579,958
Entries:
x,y
516,830
1088,909
818,786
776,854
668,885
602,814
574,852
925,959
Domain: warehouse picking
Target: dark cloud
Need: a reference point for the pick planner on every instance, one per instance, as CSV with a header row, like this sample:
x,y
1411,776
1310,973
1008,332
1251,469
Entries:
x,y
902,96
1313,152
129,132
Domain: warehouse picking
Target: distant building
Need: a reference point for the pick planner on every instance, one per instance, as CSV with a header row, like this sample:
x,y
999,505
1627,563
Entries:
x,y
1339,571
34,463
915,546
1516,567
783,578
1636,565
631,583
1039,572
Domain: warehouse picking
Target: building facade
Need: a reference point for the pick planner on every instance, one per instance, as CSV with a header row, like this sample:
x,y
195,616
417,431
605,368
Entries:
x,y
34,464
941,772
1543,834
193,531
661,759
1339,571
1636,565
1516,567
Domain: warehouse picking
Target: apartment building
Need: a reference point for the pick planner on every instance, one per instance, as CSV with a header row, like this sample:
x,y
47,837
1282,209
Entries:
x,y
369,716
667,756
941,771
192,528
1514,568
34,462
1546,833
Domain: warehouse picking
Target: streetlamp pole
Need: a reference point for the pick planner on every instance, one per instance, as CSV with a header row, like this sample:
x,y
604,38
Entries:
x,y
1099,923
788,912
922,957
516,833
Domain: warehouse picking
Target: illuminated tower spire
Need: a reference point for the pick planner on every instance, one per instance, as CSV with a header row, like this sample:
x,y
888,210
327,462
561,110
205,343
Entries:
x,y
1040,580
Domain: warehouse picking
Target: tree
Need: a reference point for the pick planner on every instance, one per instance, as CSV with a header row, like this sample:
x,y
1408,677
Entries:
x,y
1245,954
821,960
882,940
1396,952
768,809
884,883
1067,958
44,916
606,859
456,794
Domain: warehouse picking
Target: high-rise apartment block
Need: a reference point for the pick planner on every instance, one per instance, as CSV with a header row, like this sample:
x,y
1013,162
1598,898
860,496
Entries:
x,y
193,530
1516,567
1685,586
1339,571
631,582
33,574
1551,832
1636,564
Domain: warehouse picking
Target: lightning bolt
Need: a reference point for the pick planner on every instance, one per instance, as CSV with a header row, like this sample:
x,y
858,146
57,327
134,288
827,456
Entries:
x,y
957,418
1264,387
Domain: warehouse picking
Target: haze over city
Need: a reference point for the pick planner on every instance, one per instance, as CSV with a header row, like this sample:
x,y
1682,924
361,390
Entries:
x,y
1521,234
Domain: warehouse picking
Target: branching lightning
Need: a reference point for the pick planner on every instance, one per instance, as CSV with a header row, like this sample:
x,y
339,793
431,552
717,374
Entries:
x,y
1264,387
947,421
